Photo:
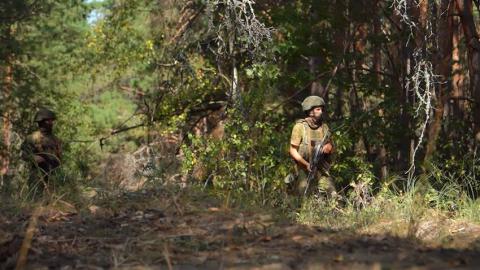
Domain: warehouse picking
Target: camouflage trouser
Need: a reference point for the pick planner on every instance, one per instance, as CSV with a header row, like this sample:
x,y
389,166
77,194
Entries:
x,y
38,181
322,184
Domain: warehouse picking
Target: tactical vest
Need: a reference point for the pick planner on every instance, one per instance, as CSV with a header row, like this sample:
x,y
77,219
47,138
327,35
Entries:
x,y
310,138
44,144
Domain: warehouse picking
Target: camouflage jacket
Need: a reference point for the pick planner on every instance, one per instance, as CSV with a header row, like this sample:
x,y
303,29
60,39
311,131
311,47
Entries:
x,y
47,146
305,138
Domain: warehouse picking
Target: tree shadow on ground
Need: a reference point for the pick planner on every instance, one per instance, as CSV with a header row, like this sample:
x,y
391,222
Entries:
x,y
158,228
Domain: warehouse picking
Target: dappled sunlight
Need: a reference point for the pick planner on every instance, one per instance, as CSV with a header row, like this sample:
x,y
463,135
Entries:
x,y
239,134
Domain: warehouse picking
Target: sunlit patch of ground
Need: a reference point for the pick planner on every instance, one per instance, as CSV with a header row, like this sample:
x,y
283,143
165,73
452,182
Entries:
x,y
433,229
187,229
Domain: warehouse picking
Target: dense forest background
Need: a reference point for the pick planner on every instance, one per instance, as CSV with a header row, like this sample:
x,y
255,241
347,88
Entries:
x,y
176,117
207,92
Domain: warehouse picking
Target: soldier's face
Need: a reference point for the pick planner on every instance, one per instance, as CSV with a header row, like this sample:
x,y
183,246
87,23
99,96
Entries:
x,y
46,124
317,113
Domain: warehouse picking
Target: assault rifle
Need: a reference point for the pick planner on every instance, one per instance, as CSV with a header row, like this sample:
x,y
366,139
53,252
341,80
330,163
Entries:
x,y
317,159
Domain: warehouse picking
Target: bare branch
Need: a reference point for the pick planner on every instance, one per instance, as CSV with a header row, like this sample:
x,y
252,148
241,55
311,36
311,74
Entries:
x,y
237,18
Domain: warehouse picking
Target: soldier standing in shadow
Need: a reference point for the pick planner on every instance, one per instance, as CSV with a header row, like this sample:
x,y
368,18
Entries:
x,y
42,150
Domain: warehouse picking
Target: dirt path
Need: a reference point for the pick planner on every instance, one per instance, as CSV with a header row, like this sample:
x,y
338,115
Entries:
x,y
160,229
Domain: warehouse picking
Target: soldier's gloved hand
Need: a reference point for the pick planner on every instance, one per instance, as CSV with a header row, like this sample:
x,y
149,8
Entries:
x,y
327,148
39,159
54,162
307,166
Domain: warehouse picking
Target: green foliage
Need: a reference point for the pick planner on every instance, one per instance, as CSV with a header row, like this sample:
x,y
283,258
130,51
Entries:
x,y
249,157
123,70
394,207
111,109
120,37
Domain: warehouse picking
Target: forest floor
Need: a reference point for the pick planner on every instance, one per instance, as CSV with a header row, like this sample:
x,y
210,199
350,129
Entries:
x,y
190,229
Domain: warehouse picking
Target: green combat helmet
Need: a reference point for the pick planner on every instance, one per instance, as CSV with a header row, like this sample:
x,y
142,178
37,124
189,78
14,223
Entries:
x,y
44,114
312,102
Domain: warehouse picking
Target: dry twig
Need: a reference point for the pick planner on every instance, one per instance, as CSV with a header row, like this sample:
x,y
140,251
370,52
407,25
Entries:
x,y
27,240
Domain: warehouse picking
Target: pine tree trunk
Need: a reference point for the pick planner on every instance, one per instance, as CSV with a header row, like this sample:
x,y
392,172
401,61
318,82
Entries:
x,y
6,126
473,48
458,106
420,13
339,39
377,67
6,96
398,57
234,90
443,69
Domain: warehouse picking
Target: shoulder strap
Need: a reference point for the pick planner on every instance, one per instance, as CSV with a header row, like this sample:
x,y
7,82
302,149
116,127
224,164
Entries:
x,y
300,121
325,128
306,129
306,132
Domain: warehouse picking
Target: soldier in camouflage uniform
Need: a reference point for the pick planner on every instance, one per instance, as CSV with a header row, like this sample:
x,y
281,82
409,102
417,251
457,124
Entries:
x,y
305,134
42,150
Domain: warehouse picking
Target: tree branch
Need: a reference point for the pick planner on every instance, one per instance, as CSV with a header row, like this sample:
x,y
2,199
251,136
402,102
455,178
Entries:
x,y
189,13
208,107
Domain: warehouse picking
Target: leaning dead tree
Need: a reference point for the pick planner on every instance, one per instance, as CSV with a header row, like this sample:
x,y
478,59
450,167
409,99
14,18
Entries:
x,y
237,32
238,35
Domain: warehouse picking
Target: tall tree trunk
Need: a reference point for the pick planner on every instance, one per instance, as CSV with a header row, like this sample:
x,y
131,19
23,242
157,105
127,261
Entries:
x,y
443,69
357,9
473,48
6,126
377,67
316,87
398,57
339,39
315,61
458,105
234,94
6,96
420,12
354,101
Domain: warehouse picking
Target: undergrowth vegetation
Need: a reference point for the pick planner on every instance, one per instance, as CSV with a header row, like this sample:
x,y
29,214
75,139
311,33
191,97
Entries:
x,y
211,90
